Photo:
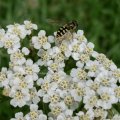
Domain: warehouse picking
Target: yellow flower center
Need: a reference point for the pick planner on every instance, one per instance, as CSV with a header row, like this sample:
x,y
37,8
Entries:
x,y
54,66
105,96
8,43
63,47
16,30
116,74
54,98
23,84
28,70
56,111
82,75
101,57
84,117
117,91
93,100
18,55
81,38
33,115
42,40
68,100
80,91
56,77
19,95
95,86
45,86
64,84
2,76
105,82
93,68
99,113
88,50
76,48
84,57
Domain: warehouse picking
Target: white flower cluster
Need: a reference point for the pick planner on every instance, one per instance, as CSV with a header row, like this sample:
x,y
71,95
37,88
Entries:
x,y
84,92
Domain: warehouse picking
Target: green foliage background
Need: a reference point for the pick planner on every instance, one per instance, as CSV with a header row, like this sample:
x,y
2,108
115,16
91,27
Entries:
x,y
100,19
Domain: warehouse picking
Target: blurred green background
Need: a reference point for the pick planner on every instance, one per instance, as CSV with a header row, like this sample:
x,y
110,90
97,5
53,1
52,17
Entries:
x,y
100,19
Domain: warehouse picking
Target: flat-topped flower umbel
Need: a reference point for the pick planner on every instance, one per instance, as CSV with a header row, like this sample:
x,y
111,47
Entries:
x,y
67,82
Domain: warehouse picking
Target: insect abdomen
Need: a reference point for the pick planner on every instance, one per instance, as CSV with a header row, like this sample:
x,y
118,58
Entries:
x,y
62,31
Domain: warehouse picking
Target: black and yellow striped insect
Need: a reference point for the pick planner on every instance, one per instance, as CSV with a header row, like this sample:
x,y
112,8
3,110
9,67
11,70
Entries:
x,y
65,32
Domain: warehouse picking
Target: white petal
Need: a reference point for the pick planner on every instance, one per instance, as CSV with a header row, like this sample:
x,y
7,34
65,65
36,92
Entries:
x,y
67,53
42,33
95,54
37,46
33,107
29,62
51,39
41,93
75,56
91,45
25,50
46,45
79,64
80,32
46,98
42,117
73,72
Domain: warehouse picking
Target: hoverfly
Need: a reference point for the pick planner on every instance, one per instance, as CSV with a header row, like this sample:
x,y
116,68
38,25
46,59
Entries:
x,y
65,32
